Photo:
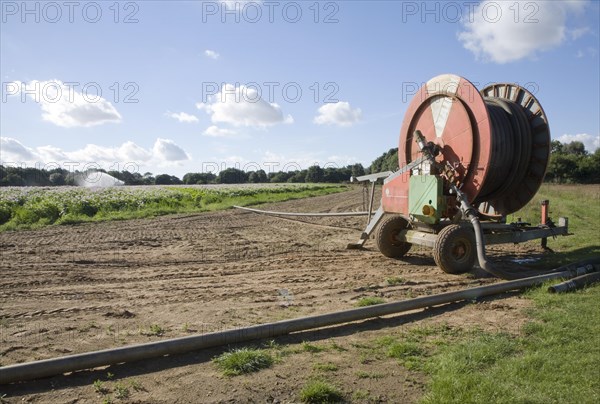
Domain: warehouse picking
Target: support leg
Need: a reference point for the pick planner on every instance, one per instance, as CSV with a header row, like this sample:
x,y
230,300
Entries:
x,y
368,231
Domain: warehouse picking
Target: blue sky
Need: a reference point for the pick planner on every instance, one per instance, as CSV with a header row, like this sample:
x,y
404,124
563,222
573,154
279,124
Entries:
x,y
176,87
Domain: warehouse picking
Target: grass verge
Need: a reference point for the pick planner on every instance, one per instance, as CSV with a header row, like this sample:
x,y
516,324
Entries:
x,y
581,204
555,360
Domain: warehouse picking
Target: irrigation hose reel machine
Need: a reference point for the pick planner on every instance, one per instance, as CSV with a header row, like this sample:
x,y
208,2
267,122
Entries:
x,y
467,159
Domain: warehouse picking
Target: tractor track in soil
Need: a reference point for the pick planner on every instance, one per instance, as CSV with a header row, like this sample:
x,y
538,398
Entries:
x,y
71,289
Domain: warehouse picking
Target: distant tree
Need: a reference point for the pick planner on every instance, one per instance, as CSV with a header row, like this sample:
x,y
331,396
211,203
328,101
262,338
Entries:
x,y
314,174
163,179
129,178
148,179
166,179
298,176
252,177
572,163
556,147
280,177
262,176
231,176
191,178
332,174
57,179
70,179
588,170
206,178
391,162
388,161
357,170
562,168
576,148
34,177
15,180
137,179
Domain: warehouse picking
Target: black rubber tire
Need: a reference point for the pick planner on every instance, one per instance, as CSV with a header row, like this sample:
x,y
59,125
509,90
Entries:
x,y
389,227
455,249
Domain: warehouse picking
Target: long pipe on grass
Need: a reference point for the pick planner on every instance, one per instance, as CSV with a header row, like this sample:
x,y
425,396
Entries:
x,y
575,283
89,360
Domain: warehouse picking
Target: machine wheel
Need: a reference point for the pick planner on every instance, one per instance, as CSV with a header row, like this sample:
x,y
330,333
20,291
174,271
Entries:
x,y
386,237
454,249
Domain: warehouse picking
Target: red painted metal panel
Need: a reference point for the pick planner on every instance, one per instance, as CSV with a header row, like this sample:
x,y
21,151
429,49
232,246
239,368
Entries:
x,y
450,112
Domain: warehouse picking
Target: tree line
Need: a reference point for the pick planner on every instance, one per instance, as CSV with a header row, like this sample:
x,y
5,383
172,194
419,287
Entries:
x,y
29,176
569,163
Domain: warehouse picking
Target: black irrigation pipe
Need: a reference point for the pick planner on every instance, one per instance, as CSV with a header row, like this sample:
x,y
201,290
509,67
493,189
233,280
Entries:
x,y
575,283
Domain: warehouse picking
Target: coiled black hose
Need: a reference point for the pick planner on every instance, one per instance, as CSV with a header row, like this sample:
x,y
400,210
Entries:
x,y
511,146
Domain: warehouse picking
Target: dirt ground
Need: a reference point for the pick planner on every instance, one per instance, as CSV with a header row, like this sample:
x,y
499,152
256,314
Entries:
x,y
72,289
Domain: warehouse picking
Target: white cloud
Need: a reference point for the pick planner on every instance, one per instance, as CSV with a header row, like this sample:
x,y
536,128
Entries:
x,y
164,151
167,150
211,54
64,106
51,153
590,142
339,113
498,33
243,106
130,151
215,131
11,148
182,117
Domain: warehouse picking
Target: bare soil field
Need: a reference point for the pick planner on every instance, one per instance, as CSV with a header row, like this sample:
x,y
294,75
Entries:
x,y
72,289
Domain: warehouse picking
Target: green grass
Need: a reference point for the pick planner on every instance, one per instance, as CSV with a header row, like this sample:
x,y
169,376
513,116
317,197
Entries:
x,y
243,360
319,391
553,359
360,395
31,208
325,367
395,281
312,348
556,360
99,387
154,330
121,391
409,352
369,301
581,204
369,375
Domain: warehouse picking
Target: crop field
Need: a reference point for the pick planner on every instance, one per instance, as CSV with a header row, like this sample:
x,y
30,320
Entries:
x,y
31,207
77,281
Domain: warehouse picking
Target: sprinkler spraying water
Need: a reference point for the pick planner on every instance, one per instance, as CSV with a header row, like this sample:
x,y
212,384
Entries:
x,y
99,179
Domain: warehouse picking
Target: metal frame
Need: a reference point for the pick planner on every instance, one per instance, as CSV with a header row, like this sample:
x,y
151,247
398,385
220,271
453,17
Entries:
x,y
373,219
498,234
493,232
